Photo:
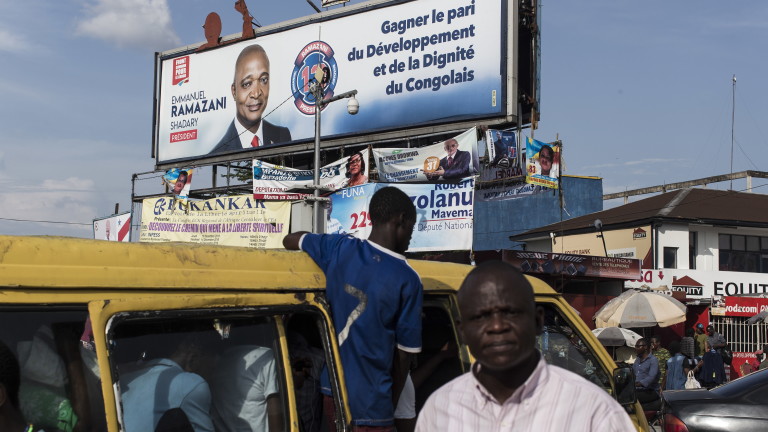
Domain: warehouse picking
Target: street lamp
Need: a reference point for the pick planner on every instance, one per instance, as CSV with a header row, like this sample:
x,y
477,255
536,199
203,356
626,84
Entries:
x,y
316,88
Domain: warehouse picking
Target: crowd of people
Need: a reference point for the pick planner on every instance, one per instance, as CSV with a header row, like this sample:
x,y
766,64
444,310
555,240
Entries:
x,y
701,355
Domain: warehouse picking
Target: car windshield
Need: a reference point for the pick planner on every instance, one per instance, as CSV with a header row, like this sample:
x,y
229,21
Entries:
x,y
748,383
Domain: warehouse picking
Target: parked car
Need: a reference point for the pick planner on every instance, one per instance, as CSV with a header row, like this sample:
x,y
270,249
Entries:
x,y
740,405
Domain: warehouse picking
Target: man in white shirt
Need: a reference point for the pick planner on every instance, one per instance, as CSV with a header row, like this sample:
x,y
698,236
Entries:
x,y
510,386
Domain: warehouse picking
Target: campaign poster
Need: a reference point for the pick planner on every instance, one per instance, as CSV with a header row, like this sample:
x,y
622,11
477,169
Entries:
x,y
113,228
413,64
543,167
450,160
444,219
501,148
180,181
274,182
227,221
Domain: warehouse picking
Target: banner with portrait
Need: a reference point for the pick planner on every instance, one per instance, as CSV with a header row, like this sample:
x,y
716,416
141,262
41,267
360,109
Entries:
x,y
543,166
414,64
501,148
450,160
228,221
444,213
275,182
113,228
180,181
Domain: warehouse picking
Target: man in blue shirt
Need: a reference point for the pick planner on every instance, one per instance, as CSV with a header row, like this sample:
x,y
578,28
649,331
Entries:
x,y
375,299
646,369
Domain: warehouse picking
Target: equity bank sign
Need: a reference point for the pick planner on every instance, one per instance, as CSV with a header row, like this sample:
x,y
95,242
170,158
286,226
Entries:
x,y
700,284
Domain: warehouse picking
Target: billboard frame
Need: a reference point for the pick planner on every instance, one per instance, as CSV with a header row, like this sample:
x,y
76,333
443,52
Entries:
x,y
508,117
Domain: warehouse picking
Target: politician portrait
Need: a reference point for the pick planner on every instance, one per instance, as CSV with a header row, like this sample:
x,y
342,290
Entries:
x,y
250,91
455,165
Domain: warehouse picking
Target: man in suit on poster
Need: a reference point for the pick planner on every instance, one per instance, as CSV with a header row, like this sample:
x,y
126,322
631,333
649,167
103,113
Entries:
x,y
250,90
455,165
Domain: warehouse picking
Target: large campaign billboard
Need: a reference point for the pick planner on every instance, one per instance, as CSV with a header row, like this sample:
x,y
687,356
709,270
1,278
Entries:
x,y
414,64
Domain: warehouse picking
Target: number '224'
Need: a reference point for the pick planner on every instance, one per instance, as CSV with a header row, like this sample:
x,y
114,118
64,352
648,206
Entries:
x,y
360,220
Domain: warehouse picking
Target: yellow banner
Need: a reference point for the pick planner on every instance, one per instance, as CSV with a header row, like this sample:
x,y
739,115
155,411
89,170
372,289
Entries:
x,y
227,221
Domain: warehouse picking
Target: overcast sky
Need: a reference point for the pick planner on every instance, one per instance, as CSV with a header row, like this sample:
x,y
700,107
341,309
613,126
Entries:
x,y
639,92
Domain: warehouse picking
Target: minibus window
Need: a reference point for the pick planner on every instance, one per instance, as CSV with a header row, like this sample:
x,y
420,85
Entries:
x,y
221,371
60,387
562,346
438,362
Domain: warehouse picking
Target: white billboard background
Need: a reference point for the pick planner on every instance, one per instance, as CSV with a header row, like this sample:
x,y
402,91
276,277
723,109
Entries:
x,y
274,181
444,218
408,164
113,228
371,57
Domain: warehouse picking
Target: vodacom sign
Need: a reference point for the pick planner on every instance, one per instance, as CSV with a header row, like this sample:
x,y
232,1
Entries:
x,y
745,306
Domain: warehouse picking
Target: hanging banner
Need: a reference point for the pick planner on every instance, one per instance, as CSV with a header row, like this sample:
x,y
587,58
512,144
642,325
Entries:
x,y
543,165
452,159
113,228
229,221
273,182
444,218
501,148
507,192
180,181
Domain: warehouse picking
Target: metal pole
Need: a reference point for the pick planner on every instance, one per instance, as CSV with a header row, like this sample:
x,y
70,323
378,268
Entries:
x,y
318,93
733,118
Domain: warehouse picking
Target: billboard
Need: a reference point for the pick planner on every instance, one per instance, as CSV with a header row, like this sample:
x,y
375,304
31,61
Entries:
x,y
113,228
444,218
620,243
418,63
228,221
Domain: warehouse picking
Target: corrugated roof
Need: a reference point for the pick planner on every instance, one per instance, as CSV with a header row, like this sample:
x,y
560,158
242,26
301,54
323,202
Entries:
x,y
708,206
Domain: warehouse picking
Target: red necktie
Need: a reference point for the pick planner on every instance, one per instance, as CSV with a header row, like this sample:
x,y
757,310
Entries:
x,y
255,141
450,160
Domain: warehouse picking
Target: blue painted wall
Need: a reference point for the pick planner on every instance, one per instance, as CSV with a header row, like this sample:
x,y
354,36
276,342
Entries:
x,y
495,221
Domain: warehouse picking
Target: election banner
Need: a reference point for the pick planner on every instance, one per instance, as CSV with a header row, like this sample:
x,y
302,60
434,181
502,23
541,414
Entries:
x,y
414,64
452,159
444,219
543,165
113,228
230,221
180,181
501,148
503,192
273,182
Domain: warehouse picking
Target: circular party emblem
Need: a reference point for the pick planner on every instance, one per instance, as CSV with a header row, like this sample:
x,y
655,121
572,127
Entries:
x,y
431,164
315,55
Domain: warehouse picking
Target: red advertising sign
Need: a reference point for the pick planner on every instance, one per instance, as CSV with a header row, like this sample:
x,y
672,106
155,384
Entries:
x,y
180,70
574,265
745,306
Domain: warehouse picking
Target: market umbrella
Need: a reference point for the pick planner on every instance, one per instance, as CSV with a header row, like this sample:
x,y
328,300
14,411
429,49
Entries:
x,y
616,336
640,309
